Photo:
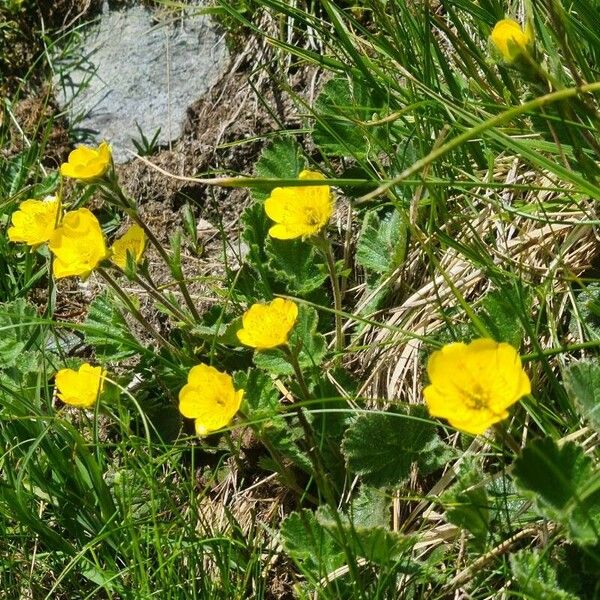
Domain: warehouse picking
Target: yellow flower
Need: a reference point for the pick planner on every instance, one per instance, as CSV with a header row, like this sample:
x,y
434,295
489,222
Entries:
x,y
210,398
268,325
299,212
35,221
78,245
510,40
86,163
473,385
80,388
133,241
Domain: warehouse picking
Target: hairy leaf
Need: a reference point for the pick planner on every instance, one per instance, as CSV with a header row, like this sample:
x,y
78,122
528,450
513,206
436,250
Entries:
x,y
296,264
309,543
282,159
382,447
582,380
107,330
564,485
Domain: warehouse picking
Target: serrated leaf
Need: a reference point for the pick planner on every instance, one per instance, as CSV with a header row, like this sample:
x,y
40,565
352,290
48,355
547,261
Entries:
x,y
261,397
303,335
382,243
339,111
308,542
296,264
467,504
564,486
378,544
382,447
582,381
536,577
107,330
17,325
280,160
221,332
371,508
587,315
498,312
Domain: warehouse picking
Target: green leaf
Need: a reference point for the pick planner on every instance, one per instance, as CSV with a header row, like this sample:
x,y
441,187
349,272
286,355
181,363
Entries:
x,y
377,544
309,543
587,315
382,447
582,381
281,160
500,316
296,264
304,336
535,577
17,325
107,330
261,397
371,508
382,243
564,486
255,231
467,504
340,111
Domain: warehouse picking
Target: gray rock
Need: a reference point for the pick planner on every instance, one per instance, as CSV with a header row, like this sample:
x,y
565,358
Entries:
x,y
141,67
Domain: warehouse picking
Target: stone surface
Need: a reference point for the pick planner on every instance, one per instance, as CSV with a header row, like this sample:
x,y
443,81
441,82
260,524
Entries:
x,y
141,67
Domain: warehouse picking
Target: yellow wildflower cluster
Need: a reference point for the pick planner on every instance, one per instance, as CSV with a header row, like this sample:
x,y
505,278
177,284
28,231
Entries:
x,y
75,238
471,385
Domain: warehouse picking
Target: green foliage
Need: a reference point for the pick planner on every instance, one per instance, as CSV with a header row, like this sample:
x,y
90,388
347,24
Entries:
x,y
535,577
376,543
582,380
106,330
587,317
280,160
371,508
467,504
17,326
382,242
343,111
497,311
304,340
311,544
295,264
381,248
564,485
382,447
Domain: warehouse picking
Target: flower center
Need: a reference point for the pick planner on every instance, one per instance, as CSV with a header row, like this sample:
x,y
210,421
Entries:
x,y
311,216
477,398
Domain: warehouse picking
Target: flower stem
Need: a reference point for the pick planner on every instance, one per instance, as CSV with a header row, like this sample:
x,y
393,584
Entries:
x,y
114,191
135,312
324,245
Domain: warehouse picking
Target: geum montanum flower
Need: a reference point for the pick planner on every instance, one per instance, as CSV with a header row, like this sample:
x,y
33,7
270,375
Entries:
x,y
209,398
132,242
35,221
267,326
80,388
78,245
510,40
472,385
87,164
299,212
